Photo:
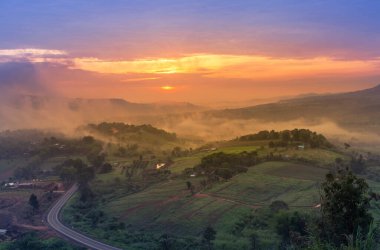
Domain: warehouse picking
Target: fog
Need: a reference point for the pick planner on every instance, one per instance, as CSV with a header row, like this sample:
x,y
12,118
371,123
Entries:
x,y
61,115
210,128
26,102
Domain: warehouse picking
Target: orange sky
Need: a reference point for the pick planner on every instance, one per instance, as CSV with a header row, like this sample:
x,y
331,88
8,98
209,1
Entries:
x,y
206,79
207,53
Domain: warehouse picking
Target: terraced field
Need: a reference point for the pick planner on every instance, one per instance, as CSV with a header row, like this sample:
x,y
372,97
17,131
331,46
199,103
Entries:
x,y
169,208
169,205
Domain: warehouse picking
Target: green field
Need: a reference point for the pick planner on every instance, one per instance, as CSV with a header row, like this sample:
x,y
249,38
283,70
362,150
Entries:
x,y
168,207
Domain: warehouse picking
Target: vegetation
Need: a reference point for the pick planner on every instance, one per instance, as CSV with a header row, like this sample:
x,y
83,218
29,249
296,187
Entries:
x,y
121,130
289,138
260,191
345,207
31,241
225,166
33,201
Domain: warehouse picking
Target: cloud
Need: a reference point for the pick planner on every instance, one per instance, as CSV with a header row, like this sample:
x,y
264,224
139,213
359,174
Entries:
x,y
231,66
251,67
31,52
31,55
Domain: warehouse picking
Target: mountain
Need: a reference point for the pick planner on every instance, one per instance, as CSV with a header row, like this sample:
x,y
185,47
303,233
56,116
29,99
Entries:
x,y
359,110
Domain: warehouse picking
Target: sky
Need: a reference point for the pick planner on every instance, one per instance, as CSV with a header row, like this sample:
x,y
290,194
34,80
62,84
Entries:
x,y
206,52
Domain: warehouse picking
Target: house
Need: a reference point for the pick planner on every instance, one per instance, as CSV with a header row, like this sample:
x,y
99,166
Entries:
x,y
10,185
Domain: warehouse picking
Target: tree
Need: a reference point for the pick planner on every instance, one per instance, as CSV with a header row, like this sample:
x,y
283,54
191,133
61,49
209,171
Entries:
x,y
190,187
344,206
209,236
292,227
68,174
33,201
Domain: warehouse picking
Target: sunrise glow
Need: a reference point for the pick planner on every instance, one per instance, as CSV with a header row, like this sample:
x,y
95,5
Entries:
x,y
167,88
238,50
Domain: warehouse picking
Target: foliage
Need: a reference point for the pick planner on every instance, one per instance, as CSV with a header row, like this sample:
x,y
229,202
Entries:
x,y
226,165
75,170
119,129
344,206
292,227
39,150
363,241
33,201
30,241
291,137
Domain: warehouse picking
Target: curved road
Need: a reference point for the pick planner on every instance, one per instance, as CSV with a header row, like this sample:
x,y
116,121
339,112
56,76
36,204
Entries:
x,y
53,220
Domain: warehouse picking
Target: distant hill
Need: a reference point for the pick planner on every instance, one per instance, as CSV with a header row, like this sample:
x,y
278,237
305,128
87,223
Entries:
x,y
115,104
359,110
52,112
129,136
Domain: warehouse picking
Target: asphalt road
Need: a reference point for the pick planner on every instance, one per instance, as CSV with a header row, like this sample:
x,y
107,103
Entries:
x,y
54,222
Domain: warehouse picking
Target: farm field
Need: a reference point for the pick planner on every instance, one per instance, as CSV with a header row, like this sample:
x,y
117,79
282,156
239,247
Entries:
x,y
168,207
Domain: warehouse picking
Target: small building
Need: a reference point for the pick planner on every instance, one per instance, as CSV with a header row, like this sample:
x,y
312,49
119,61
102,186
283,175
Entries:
x,y
10,184
160,165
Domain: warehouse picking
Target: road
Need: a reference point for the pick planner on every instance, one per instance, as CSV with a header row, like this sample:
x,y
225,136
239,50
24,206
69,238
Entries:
x,y
54,222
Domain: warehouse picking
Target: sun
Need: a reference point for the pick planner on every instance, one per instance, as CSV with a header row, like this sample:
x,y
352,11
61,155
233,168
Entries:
x,y
167,87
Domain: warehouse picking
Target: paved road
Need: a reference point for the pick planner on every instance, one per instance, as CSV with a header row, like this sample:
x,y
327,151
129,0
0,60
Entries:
x,y
53,221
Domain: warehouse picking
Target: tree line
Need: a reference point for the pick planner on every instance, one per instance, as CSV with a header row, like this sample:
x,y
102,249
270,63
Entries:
x,y
289,137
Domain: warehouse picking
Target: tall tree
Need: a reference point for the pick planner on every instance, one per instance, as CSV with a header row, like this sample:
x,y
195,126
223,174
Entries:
x,y
33,201
344,205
